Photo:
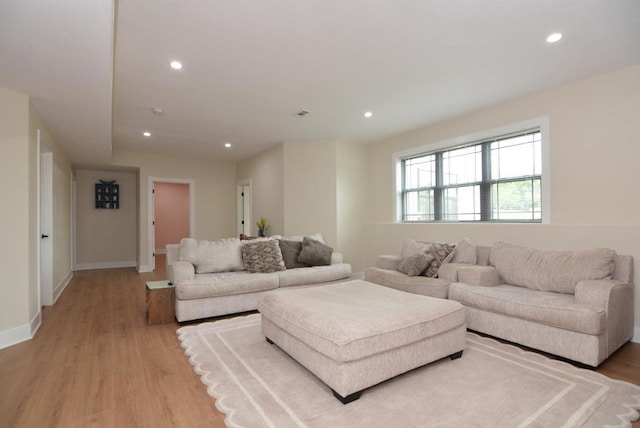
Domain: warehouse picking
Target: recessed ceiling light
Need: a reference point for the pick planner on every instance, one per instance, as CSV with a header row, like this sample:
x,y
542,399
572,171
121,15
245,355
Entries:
x,y
157,110
146,134
368,114
552,38
227,145
176,65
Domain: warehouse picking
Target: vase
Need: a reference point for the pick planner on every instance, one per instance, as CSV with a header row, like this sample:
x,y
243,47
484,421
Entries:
x,y
260,232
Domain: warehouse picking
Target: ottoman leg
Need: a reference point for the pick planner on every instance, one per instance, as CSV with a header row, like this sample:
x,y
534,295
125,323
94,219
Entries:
x,y
456,355
349,398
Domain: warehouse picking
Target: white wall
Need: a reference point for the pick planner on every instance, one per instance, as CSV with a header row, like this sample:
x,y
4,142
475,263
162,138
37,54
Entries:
x,y
594,149
215,194
19,309
266,171
14,218
310,189
106,237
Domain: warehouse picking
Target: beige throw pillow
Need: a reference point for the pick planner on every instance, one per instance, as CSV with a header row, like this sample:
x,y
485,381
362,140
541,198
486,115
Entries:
x,y
262,256
439,251
416,264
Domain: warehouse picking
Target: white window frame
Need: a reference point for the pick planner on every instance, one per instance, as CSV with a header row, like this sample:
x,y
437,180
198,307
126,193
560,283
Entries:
x,y
540,122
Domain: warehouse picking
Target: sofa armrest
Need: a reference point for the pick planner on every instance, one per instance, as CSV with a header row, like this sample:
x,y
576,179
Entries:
x,y
598,292
388,262
616,298
449,271
178,272
336,258
483,276
173,253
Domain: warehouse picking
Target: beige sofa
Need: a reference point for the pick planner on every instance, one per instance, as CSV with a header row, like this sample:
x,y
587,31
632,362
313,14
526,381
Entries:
x,y
228,287
386,272
574,304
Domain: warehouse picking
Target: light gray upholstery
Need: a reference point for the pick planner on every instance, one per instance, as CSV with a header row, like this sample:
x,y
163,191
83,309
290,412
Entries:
x,y
203,295
584,320
389,332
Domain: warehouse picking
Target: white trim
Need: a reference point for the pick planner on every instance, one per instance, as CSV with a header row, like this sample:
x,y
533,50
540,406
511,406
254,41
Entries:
x,y
35,323
541,122
161,251
57,291
106,265
150,215
144,268
636,335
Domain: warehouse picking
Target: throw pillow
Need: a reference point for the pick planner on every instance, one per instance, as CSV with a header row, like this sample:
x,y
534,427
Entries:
x,y
439,251
465,252
262,256
223,255
411,247
290,253
416,264
315,253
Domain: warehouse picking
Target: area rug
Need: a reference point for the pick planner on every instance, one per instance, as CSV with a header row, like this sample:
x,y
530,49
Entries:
x,y
493,385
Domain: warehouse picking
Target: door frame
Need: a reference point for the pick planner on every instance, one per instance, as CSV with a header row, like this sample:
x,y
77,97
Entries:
x,y
44,170
151,235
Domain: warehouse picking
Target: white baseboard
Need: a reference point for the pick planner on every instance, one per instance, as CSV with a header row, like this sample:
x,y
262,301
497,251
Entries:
x,y
57,291
35,324
144,268
636,335
105,265
161,251
21,333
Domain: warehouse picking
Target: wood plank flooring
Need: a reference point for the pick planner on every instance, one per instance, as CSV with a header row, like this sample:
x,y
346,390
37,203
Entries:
x,y
96,363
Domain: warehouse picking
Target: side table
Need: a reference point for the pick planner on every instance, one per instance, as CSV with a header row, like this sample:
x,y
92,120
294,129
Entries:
x,y
161,302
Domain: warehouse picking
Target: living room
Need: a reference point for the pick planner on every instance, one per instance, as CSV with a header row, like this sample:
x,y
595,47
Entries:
x,y
344,189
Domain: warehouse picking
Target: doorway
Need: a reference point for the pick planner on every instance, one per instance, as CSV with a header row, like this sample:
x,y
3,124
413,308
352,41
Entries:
x,y
171,205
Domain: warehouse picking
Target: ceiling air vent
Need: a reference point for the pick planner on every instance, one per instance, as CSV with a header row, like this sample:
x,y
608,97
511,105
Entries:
x,y
302,113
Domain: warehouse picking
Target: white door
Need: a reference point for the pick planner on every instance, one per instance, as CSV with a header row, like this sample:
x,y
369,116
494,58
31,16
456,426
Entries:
x,y
244,207
45,237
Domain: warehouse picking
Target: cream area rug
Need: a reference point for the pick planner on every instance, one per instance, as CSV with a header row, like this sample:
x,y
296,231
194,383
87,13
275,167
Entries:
x,y
493,385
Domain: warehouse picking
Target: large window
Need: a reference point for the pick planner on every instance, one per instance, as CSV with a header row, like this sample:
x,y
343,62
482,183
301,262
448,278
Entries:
x,y
494,180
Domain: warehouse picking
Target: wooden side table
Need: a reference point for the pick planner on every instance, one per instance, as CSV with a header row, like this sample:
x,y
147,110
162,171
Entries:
x,y
161,302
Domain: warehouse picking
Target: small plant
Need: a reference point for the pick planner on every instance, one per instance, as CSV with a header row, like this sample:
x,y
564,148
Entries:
x,y
262,226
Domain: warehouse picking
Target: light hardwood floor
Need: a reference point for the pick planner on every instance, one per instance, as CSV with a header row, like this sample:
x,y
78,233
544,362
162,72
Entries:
x,y
96,362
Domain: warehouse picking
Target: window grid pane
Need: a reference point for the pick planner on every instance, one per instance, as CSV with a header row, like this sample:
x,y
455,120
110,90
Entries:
x,y
462,204
499,177
420,172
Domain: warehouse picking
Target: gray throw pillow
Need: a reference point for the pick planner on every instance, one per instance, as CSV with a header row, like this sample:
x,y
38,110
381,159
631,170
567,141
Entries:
x,y
315,253
439,251
290,253
416,264
262,256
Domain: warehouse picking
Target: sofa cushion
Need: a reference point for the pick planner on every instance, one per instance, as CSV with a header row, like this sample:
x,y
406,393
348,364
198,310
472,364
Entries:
x,y
439,251
433,287
416,264
315,253
225,284
548,308
290,253
546,270
313,275
262,256
223,255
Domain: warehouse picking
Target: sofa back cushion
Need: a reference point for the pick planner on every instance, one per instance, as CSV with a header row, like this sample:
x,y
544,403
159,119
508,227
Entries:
x,y
546,270
224,255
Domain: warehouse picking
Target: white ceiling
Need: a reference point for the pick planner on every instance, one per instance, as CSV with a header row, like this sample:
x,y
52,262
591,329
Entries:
x,y
250,65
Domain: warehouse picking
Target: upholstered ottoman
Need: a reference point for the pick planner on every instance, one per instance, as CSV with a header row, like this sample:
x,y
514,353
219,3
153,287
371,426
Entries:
x,y
356,334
